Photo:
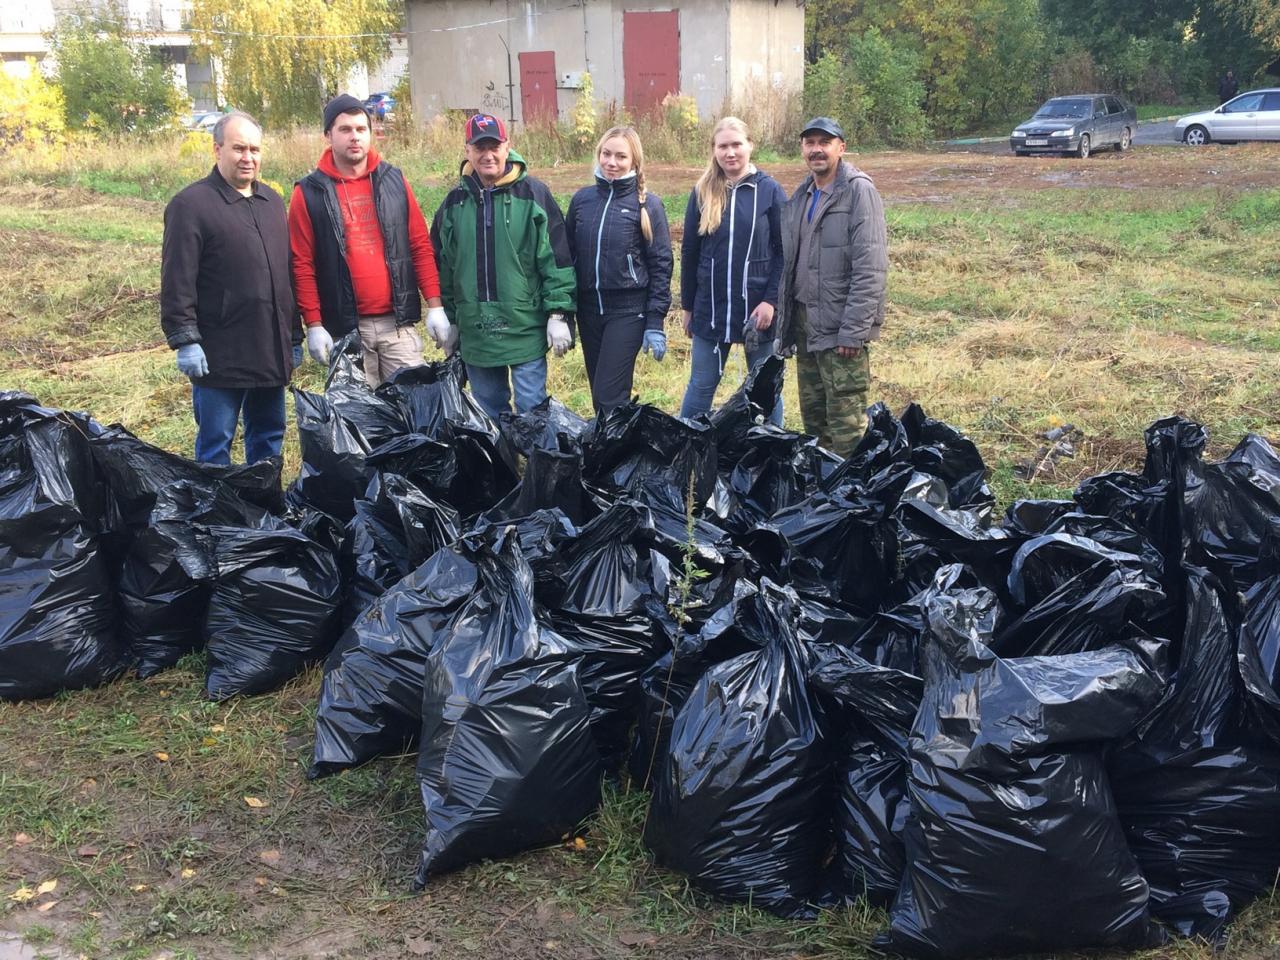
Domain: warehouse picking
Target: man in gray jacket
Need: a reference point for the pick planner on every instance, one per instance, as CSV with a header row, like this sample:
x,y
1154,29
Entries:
x,y
831,302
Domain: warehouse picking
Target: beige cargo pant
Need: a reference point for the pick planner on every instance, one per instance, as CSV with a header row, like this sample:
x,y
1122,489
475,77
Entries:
x,y
387,347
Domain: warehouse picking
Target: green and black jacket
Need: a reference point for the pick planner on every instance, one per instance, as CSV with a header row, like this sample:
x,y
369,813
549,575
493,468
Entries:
x,y
504,264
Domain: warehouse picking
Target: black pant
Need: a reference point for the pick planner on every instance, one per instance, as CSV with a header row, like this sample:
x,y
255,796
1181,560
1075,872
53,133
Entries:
x,y
610,344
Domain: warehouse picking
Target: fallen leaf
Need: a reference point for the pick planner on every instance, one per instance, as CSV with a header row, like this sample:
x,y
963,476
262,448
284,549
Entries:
x,y
208,742
637,939
47,887
87,850
23,894
255,802
48,905
261,881
139,887
164,693
579,843
279,891
271,857
418,946
22,839
188,873
161,756
217,728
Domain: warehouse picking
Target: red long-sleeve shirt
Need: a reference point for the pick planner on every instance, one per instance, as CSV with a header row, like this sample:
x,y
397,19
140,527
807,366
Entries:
x,y
366,258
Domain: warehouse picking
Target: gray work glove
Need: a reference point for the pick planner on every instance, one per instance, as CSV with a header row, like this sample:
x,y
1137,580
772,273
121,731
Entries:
x,y
192,361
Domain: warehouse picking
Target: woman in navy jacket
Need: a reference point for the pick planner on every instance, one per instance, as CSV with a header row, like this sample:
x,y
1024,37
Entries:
x,y
730,264
622,254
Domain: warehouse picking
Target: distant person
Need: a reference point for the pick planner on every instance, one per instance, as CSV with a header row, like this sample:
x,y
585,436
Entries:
x,y
226,305
361,250
831,305
506,273
730,264
621,250
1227,87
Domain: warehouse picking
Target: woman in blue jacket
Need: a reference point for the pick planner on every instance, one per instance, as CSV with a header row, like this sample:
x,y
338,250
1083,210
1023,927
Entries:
x,y
622,254
730,264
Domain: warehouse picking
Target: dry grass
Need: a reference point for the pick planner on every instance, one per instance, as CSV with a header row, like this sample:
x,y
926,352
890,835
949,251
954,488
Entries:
x,y
1023,294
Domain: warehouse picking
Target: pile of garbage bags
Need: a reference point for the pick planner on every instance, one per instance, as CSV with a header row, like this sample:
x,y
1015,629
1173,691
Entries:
x,y
840,679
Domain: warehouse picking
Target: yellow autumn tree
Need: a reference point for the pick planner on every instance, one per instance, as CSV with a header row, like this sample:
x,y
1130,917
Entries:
x,y
31,112
280,59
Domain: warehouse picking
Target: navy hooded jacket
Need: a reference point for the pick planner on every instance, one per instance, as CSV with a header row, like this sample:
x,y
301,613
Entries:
x,y
618,272
725,276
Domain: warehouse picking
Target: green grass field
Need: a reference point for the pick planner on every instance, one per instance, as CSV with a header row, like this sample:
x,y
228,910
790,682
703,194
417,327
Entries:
x,y
1023,295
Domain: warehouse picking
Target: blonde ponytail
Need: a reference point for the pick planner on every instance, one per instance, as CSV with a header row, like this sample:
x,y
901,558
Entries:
x,y
632,137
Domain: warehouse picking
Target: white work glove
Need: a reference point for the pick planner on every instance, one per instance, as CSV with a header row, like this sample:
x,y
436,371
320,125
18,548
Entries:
x,y
444,333
319,343
559,339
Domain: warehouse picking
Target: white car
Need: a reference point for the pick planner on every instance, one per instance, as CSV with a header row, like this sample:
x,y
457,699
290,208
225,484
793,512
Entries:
x,y
1250,116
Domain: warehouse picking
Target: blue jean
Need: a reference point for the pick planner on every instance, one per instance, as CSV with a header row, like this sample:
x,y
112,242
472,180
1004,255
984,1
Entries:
x,y
705,370
491,386
218,411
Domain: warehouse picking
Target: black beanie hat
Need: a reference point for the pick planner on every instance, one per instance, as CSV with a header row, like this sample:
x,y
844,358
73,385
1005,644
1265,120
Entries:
x,y
342,103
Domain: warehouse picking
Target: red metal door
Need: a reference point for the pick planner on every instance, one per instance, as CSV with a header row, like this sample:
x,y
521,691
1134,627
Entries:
x,y
650,57
538,86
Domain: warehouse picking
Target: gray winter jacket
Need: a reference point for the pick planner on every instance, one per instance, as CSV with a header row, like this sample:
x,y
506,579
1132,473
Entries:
x,y
849,254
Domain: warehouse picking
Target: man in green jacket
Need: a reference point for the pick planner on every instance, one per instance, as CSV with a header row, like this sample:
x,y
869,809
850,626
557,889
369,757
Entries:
x,y
506,274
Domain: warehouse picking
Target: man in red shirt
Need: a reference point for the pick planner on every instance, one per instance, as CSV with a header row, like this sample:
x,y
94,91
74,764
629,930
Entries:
x,y
361,250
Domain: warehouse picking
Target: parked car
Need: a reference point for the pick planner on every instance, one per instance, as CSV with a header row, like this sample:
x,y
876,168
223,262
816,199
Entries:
x,y
381,106
1077,124
1250,116
203,120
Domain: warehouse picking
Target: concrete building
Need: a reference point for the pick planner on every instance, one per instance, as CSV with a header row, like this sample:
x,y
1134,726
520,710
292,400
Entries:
x,y
522,60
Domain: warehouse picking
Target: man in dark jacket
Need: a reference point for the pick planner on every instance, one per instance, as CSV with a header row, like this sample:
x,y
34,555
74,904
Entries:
x,y
361,250
1227,87
506,273
831,304
226,304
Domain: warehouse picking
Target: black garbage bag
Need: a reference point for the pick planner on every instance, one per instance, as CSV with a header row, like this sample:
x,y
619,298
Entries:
x,y
875,708
930,446
430,465
1199,785
674,534
436,406
58,626
371,695
1030,518
609,601
743,802
1237,511
733,421
335,458
636,443
1010,806
774,471
552,480
373,417
932,534
548,426
274,606
135,472
841,546
506,761
1070,594
171,567
396,528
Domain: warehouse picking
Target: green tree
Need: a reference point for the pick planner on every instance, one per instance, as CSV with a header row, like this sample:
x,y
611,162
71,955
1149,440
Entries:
x,y
111,81
282,58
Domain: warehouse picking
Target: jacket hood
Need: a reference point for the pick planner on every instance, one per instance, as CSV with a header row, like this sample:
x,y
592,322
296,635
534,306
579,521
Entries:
x,y
330,169
516,171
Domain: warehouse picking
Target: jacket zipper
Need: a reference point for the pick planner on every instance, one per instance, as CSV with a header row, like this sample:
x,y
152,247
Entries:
x,y
631,266
599,236
713,296
746,263
728,282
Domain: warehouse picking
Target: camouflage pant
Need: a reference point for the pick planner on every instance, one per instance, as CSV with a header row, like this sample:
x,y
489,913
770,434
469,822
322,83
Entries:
x,y
833,395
